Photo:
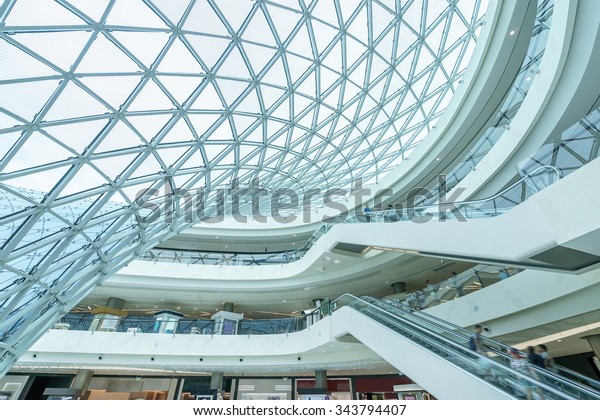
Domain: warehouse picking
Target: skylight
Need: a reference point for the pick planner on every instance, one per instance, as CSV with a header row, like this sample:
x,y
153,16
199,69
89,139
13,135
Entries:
x,y
102,99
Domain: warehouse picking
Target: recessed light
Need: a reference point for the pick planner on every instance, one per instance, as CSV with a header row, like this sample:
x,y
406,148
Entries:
x,y
512,33
559,341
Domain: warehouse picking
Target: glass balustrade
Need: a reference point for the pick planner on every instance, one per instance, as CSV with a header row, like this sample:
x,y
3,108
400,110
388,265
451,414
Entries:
x,y
451,343
432,334
488,207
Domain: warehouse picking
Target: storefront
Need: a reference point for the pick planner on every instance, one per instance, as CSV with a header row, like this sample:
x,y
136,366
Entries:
x,y
378,387
263,389
337,388
412,392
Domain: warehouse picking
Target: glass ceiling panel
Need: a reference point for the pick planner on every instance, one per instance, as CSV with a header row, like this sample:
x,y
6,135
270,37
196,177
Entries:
x,y
103,97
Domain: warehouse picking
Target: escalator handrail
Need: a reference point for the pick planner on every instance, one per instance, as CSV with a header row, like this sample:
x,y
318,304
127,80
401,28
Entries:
x,y
578,375
451,331
456,346
557,376
504,347
430,336
533,173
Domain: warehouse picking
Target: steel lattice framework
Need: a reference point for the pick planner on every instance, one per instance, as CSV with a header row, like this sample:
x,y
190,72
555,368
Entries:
x,y
100,100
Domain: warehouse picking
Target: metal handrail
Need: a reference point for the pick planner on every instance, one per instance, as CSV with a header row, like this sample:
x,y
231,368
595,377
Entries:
x,y
502,346
451,343
416,315
326,226
521,180
578,387
442,289
594,385
148,324
578,375
537,171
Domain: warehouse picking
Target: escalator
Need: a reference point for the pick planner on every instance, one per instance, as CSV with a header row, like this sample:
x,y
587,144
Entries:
x,y
498,349
435,354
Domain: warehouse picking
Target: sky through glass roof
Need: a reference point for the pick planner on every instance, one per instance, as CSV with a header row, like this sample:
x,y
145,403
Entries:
x,y
298,94
102,99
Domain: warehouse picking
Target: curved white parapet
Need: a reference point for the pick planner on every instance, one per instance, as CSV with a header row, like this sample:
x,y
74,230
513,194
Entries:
x,y
522,302
563,215
557,228
308,349
564,91
528,300
476,101
229,353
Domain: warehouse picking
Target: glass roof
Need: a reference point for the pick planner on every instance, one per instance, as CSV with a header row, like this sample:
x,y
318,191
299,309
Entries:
x,y
102,99
298,94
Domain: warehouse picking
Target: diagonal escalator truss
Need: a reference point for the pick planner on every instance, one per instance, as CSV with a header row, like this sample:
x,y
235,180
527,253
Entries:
x,y
436,355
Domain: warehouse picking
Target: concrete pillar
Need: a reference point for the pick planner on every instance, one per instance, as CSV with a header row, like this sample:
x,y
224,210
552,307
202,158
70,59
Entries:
x,y
594,342
115,303
228,306
321,379
82,379
216,380
399,287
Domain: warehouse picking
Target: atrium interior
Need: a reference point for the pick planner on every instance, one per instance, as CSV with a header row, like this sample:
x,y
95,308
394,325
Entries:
x,y
299,199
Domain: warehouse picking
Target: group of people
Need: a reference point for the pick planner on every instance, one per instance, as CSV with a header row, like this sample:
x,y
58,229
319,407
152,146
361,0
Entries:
x,y
535,357
539,357
389,214
419,299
